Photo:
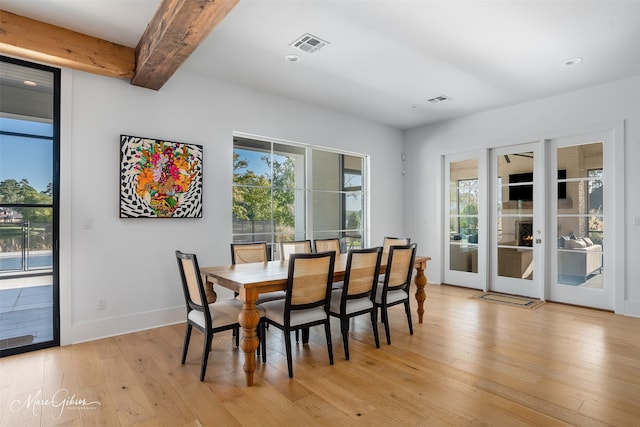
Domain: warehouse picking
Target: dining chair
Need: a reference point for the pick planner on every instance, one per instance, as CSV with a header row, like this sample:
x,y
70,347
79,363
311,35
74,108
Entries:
x,y
324,245
307,302
294,247
391,241
209,319
250,252
357,295
394,289
387,243
247,252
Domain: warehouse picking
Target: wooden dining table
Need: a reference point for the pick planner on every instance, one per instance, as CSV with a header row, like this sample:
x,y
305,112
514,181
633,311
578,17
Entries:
x,y
250,280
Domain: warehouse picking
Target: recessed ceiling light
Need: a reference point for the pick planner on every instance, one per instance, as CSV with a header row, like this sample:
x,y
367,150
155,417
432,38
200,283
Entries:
x,y
292,58
573,61
30,83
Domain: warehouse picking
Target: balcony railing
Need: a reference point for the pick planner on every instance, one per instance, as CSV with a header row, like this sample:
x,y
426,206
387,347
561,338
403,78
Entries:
x,y
25,247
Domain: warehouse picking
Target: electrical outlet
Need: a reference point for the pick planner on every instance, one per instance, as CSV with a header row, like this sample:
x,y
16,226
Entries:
x,y
102,303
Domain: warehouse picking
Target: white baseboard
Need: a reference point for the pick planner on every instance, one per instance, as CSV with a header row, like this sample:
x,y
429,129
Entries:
x,y
104,328
632,308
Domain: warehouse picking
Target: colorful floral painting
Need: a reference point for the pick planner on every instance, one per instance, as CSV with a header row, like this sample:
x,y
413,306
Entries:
x,y
160,179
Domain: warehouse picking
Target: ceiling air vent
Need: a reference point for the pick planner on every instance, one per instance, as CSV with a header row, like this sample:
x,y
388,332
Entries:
x,y
439,99
308,43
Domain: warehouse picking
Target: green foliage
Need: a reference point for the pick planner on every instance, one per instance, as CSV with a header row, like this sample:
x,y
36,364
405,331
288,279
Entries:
x,y
469,224
257,198
283,194
353,220
14,192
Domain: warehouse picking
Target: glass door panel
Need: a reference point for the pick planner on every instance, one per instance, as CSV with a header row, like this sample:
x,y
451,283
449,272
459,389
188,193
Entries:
x,y
29,144
579,218
516,221
464,252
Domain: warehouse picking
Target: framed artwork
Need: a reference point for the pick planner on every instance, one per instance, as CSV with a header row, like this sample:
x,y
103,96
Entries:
x,y
159,179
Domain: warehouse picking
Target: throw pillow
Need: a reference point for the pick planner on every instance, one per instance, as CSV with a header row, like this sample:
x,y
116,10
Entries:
x,y
562,241
572,236
575,244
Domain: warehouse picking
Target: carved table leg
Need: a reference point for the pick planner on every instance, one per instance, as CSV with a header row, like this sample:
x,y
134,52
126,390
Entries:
x,y
249,319
421,282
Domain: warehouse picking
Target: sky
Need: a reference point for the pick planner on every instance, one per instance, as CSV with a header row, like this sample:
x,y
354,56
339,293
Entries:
x,y
26,158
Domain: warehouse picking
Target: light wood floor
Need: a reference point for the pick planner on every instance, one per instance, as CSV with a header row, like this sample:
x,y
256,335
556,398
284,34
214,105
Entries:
x,y
470,363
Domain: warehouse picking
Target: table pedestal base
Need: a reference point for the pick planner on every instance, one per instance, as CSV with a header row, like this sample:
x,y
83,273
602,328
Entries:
x,y
249,319
421,282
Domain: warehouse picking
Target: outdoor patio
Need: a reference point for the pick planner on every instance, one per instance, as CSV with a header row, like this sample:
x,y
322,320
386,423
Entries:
x,y
26,311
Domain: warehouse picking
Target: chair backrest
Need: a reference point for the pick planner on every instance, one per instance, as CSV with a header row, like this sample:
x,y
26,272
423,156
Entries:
x,y
361,275
295,247
393,241
244,253
309,281
192,286
324,245
400,267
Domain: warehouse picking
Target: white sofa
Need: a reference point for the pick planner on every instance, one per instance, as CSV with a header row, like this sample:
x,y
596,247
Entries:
x,y
577,260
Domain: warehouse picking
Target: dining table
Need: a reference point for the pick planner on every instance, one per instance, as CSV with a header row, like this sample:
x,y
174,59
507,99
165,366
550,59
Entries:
x,y
250,280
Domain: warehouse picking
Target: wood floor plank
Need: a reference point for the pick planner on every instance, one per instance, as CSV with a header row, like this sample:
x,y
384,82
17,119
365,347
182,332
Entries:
x,y
470,363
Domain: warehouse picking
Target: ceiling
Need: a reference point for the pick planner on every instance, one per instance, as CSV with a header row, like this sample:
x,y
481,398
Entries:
x,y
386,59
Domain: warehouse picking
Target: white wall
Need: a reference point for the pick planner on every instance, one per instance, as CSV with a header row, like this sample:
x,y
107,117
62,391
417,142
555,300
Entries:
x,y
531,121
131,262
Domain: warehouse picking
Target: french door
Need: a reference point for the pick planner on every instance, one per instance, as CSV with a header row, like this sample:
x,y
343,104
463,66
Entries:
x,y
581,204
517,220
539,216
465,207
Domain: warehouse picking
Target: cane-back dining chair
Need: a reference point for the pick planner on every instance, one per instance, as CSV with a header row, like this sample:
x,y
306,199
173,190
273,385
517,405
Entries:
x,y
387,243
307,301
324,245
357,295
245,253
295,247
209,319
393,241
394,289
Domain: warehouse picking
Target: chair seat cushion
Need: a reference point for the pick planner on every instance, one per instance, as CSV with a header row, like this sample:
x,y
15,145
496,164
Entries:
x,y
337,285
353,305
270,296
223,312
274,310
392,296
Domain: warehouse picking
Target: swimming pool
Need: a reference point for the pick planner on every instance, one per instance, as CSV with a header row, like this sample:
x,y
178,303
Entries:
x,y
12,261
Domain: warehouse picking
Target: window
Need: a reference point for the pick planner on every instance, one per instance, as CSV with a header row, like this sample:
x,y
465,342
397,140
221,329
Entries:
x,y
595,200
464,201
468,207
271,182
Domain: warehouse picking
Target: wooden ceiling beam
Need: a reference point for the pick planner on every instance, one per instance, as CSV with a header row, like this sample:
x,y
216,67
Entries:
x,y
175,31
38,41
